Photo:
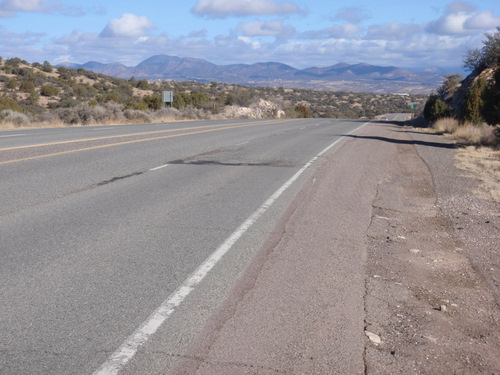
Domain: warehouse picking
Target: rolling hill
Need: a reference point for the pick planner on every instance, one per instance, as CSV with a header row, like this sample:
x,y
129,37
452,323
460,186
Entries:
x,y
339,77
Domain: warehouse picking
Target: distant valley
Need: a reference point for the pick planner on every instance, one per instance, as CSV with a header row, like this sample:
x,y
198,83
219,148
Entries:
x,y
340,77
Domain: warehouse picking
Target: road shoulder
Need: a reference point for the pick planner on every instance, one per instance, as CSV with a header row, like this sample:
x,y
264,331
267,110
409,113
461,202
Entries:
x,y
365,273
430,300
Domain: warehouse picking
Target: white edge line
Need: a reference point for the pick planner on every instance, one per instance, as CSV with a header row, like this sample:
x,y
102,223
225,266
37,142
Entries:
x,y
242,143
159,167
127,350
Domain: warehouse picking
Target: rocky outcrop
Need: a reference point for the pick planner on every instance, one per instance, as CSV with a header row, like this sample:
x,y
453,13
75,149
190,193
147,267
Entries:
x,y
457,100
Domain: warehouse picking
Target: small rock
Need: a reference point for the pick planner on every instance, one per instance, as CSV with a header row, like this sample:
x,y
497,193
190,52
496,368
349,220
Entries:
x,y
414,251
374,337
442,308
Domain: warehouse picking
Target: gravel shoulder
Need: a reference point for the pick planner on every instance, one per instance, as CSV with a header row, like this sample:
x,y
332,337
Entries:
x,y
385,263
433,266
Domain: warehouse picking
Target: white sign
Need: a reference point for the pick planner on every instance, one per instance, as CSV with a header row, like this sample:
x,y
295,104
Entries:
x,y
168,96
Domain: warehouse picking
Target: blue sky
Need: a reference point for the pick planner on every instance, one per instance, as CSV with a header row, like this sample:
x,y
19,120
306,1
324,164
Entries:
x,y
419,33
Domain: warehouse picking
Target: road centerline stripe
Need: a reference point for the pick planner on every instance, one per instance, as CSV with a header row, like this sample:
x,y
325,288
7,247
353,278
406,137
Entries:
x,y
128,349
11,135
229,126
235,126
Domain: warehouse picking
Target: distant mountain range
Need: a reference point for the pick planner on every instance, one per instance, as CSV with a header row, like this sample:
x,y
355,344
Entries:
x,y
340,77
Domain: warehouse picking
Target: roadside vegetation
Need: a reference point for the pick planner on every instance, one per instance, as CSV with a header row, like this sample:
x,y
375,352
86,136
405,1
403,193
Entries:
x,y
39,94
469,109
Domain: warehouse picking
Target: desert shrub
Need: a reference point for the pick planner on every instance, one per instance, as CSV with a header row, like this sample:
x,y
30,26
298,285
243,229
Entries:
x,y
85,114
114,111
47,118
193,113
134,115
12,84
302,111
15,118
153,102
166,114
143,84
240,97
68,115
27,86
14,62
48,90
32,100
10,104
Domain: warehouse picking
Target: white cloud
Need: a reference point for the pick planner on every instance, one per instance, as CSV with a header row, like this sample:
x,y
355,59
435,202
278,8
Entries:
x,y
250,42
9,8
225,8
129,25
462,18
393,31
24,5
483,20
352,15
347,30
273,28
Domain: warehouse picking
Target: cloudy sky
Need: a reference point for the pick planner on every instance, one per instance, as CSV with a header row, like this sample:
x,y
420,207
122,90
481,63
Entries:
x,y
301,33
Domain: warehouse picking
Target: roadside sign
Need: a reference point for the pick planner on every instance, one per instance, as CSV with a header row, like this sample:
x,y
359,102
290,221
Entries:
x,y
168,96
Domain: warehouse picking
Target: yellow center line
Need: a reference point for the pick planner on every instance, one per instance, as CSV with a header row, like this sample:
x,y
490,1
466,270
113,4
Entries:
x,y
141,140
127,135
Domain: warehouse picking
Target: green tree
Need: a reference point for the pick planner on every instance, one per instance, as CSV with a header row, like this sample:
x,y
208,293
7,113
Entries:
x,y
491,99
488,55
435,109
46,67
474,103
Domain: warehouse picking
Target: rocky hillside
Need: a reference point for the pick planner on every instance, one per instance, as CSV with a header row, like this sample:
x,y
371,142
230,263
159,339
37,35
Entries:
x,y
475,99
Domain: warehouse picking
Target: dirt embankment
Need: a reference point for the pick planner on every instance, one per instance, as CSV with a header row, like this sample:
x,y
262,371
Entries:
x,y
433,266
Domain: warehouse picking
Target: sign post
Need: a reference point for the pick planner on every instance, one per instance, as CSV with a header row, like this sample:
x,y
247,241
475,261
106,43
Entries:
x,y
168,97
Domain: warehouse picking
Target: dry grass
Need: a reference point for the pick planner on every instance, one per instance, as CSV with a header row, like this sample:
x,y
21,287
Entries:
x,y
446,125
481,135
484,164
481,158
478,135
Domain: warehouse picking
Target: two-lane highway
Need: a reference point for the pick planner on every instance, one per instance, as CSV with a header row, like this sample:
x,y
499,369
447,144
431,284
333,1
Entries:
x,y
103,226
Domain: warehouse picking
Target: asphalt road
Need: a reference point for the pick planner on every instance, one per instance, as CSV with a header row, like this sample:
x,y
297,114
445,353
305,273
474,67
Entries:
x,y
102,226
